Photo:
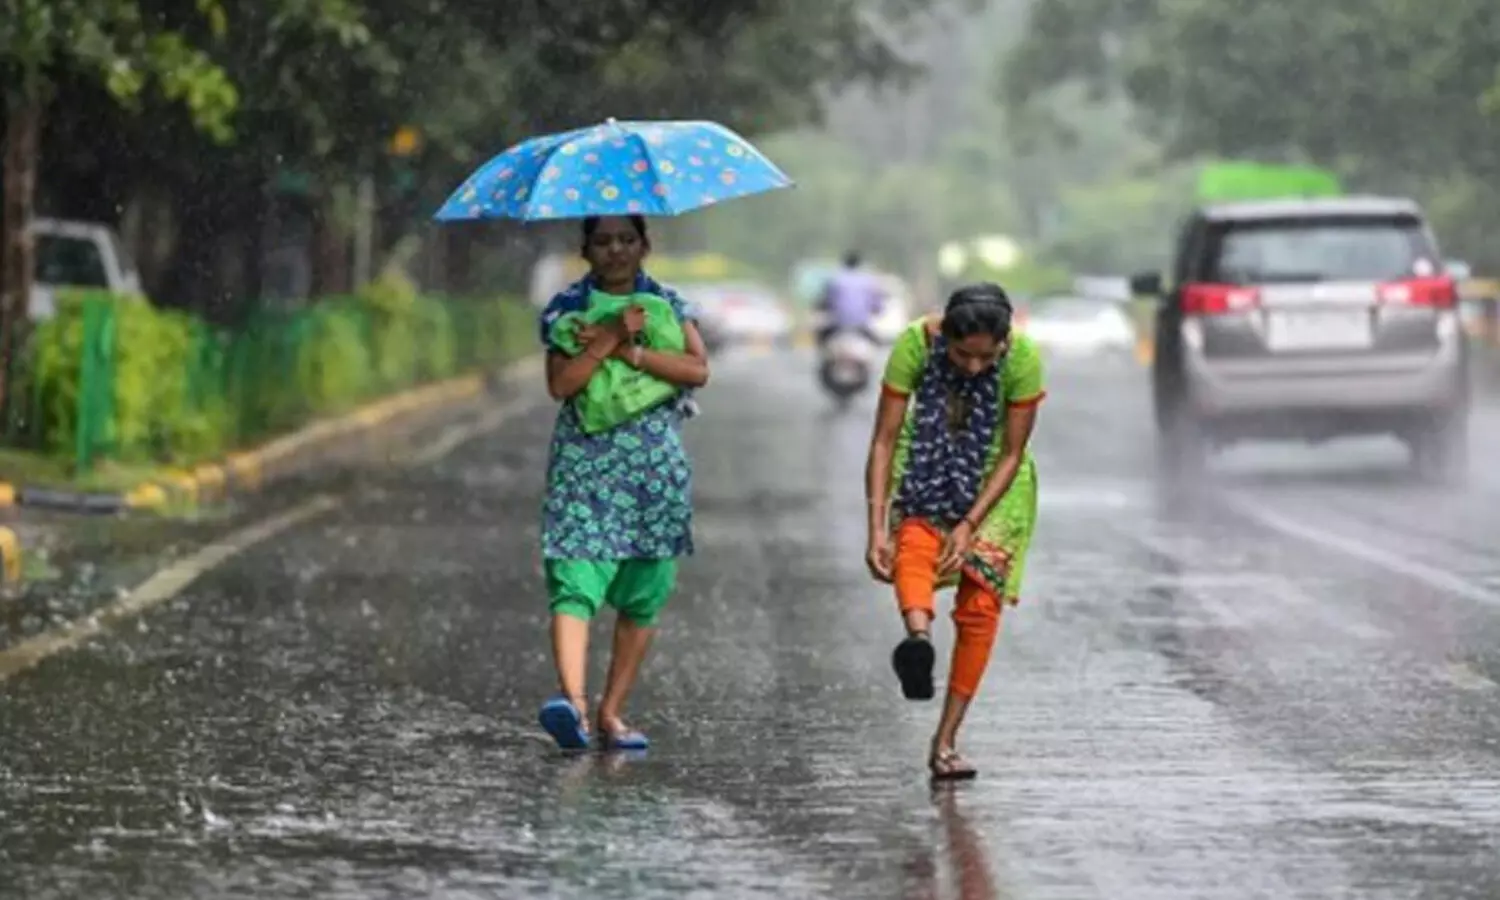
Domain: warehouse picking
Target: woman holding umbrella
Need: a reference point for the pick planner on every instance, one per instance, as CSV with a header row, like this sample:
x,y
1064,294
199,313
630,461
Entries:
x,y
952,491
617,514
618,509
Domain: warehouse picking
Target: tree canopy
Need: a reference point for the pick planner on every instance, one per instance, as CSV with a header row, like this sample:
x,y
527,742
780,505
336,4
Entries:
x,y
207,108
1402,95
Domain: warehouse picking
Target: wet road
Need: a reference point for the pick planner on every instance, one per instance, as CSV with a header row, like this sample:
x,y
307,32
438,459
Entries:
x,y
1285,686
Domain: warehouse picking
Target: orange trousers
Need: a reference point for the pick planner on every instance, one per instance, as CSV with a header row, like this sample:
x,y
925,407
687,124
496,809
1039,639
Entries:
x,y
976,611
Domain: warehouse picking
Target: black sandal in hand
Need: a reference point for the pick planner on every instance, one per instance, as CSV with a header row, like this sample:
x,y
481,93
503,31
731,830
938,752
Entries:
x,y
913,660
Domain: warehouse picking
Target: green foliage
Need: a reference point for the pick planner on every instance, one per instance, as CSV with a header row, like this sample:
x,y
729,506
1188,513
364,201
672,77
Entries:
x,y
1120,225
175,391
1074,182
55,359
129,45
897,215
437,352
151,411
391,302
319,86
1398,96
334,361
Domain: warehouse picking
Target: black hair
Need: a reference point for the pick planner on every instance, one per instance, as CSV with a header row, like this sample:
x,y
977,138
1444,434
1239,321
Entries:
x,y
852,259
591,225
982,308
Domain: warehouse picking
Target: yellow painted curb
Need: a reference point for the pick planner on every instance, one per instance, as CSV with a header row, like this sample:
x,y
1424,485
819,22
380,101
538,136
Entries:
x,y
10,551
211,481
146,496
370,416
244,469
7,494
183,483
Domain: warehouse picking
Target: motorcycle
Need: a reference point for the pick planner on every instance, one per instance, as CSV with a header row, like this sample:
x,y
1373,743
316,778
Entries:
x,y
847,365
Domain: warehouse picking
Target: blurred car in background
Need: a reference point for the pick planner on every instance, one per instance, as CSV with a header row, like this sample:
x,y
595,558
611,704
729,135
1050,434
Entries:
x,y
1076,326
710,328
738,312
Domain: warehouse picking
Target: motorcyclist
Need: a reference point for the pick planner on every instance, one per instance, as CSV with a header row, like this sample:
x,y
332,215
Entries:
x,y
851,300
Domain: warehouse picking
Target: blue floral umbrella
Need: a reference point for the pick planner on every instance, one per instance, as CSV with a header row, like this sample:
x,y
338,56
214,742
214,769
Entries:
x,y
615,169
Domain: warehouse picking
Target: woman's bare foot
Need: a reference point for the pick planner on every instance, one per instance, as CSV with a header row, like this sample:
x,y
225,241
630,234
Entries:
x,y
614,734
947,765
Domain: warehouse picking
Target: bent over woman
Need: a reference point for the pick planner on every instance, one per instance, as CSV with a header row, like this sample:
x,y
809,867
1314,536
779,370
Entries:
x,y
952,488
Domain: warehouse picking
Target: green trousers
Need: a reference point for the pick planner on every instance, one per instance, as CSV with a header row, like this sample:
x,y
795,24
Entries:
x,y
636,588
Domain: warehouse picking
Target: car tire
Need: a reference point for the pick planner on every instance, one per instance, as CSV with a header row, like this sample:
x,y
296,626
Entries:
x,y
1440,448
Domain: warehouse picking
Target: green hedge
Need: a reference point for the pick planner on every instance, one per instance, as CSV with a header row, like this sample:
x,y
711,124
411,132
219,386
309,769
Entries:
x,y
117,378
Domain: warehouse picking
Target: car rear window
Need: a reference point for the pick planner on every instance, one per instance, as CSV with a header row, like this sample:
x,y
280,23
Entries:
x,y
1320,249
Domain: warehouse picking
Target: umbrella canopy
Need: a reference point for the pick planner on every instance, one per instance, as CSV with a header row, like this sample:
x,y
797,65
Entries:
x,y
618,168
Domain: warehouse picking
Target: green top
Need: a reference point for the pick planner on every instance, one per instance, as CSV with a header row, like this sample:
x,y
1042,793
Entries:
x,y
1021,382
618,392
998,557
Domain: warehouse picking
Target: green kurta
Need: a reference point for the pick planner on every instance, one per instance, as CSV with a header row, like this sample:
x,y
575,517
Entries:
x,y
999,555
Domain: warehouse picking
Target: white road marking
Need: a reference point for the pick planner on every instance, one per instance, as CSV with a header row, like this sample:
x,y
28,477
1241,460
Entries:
x,y
459,435
453,438
1382,557
159,588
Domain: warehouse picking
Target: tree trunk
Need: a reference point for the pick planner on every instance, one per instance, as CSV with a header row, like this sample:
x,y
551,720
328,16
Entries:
x,y
23,128
330,250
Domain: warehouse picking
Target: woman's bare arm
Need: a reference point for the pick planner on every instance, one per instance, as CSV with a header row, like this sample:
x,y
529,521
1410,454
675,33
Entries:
x,y
888,418
688,369
567,375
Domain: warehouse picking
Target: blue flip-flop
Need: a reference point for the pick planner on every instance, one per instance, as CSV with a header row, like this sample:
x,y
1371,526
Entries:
x,y
560,719
630,739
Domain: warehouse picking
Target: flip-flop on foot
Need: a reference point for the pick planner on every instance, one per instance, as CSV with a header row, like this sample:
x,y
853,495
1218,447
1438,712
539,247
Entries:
x,y
913,660
626,739
560,719
947,765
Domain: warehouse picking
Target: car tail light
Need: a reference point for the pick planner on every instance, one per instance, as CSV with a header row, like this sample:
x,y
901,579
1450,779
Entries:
x,y
1218,299
1430,293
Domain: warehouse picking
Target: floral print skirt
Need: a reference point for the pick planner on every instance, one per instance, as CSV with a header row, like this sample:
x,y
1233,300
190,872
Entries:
x,y
625,493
